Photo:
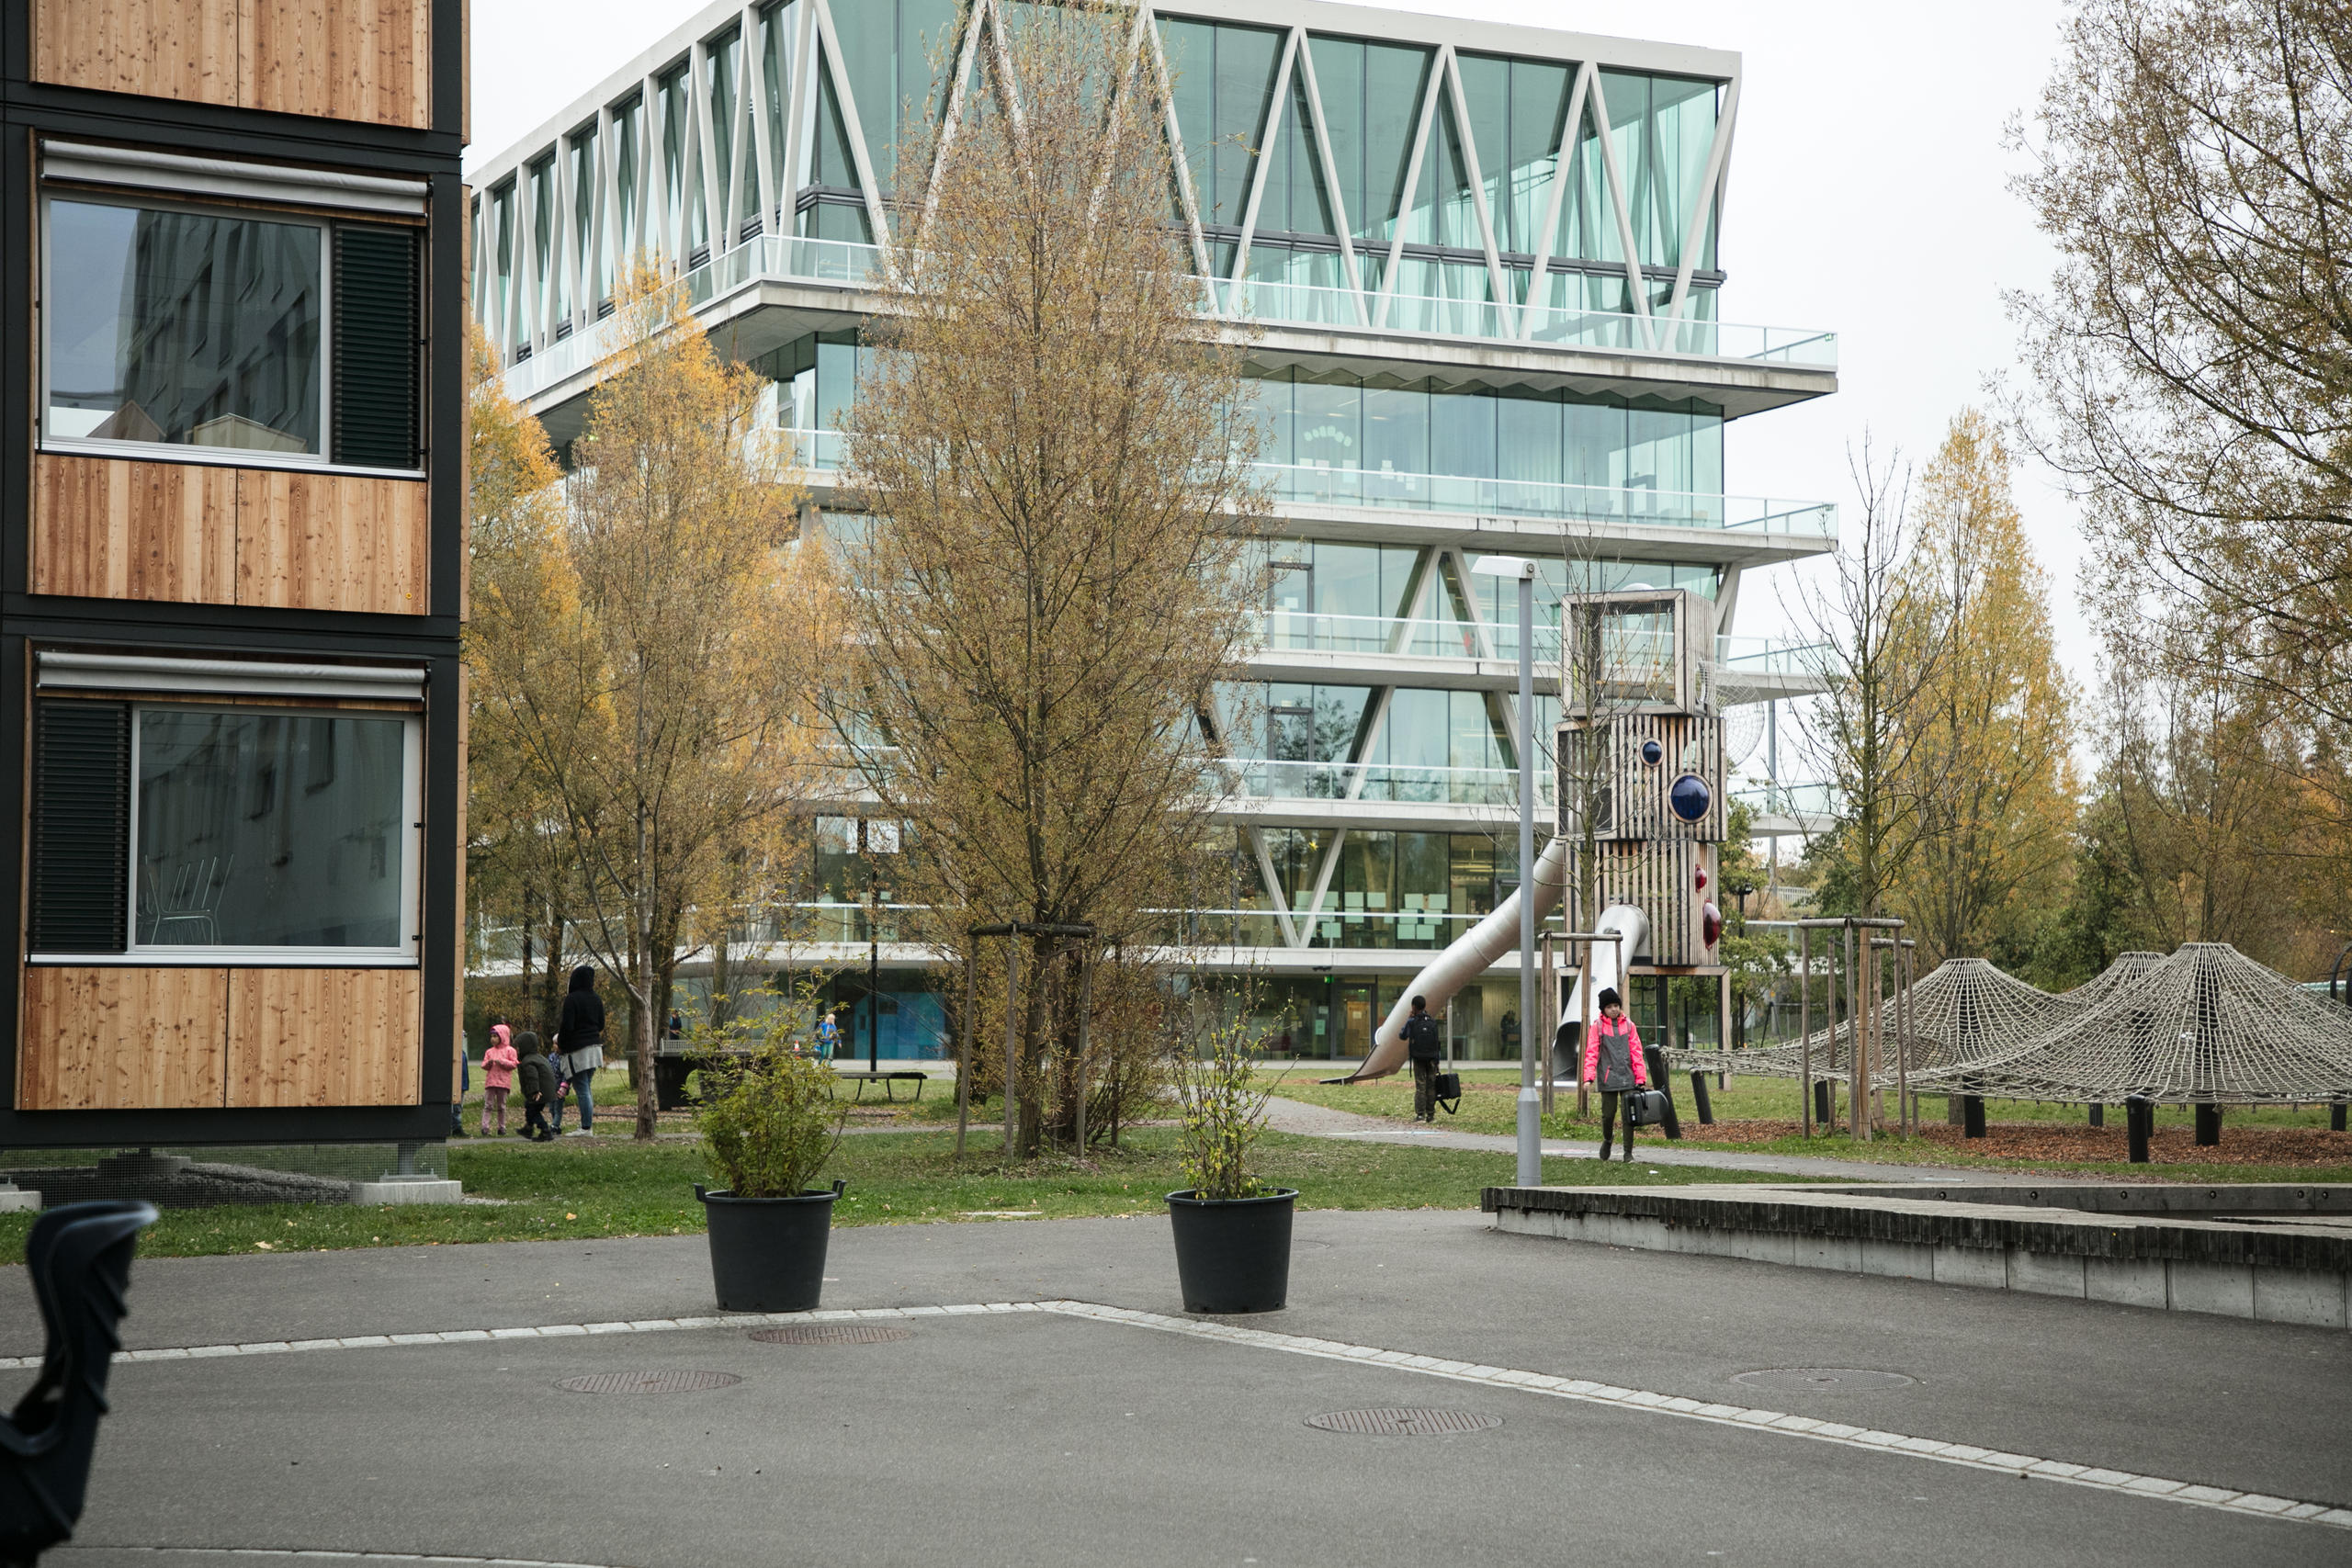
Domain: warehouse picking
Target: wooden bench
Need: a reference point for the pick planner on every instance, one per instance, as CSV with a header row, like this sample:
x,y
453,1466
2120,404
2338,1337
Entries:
x,y
889,1080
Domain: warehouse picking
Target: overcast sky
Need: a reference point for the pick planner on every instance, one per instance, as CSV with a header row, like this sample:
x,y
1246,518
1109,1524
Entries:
x,y
1868,196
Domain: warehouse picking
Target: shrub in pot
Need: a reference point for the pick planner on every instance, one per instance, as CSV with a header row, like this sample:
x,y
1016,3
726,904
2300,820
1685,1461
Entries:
x,y
768,1125
1232,1228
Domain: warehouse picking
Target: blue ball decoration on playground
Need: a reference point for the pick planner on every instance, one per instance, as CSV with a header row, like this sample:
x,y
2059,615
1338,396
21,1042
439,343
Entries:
x,y
1651,751
1689,798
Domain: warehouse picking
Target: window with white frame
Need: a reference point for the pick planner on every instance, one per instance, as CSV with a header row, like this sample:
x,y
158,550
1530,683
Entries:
x,y
172,320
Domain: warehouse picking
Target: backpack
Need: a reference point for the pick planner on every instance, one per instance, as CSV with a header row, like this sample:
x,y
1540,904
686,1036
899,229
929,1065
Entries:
x,y
1422,1039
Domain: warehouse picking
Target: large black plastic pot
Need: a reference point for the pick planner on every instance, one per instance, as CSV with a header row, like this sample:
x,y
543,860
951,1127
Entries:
x,y
768,1253
1233,1255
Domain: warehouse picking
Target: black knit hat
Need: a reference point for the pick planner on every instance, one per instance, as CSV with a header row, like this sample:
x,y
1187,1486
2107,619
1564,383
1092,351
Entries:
x,y
1609,999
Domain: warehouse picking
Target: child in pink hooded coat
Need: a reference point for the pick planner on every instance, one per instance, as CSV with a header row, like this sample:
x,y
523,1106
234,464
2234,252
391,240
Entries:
x,y
1612,1063
498,1064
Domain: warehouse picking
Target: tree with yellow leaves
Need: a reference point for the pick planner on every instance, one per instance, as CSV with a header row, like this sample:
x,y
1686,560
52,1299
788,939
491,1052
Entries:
x,y
1042,597
647,672
1987,769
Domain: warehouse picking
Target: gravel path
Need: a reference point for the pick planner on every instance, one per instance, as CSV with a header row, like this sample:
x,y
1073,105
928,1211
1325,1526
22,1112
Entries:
x,y
1322,1121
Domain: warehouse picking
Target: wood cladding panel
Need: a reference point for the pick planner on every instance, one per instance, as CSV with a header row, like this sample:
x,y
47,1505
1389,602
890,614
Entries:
x,y
112,529
111,1038
314,1037
365,60
163,49
332,542
105,528
359,60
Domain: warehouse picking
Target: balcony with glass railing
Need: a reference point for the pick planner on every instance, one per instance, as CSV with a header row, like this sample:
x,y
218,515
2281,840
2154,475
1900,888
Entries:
x,y
792,259
1790,799
1810,521
1629,653
1260,778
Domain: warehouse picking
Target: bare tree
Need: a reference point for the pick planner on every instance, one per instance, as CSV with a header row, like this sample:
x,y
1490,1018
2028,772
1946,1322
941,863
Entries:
x,y
2190,360
1057,493
1882,658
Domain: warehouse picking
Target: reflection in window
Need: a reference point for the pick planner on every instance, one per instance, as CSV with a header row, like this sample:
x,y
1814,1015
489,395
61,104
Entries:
x,y
184,327
259,828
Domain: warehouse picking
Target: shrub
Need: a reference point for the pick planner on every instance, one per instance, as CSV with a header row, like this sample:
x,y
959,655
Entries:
x,y
767,1121
1224,1106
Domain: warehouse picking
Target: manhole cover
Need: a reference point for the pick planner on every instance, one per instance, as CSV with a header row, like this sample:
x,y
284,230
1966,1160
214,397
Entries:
x,y
830,1334
1826,1379
1404,1423
647,1383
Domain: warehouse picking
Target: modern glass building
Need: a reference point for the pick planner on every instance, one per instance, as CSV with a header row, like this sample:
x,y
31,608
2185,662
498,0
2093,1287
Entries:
x,y
1484,265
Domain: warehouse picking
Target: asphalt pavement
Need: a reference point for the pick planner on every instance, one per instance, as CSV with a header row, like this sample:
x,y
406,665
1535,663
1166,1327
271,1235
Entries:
x,y
1043,1438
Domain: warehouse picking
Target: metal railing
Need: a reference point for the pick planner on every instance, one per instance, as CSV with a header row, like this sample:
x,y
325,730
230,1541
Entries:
x,y
823,451
843,263
1263,778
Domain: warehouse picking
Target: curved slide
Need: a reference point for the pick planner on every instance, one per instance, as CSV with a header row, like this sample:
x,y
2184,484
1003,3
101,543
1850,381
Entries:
x,y
1477,950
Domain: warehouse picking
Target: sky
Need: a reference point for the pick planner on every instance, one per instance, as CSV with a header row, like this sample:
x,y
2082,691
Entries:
x,y
1868,196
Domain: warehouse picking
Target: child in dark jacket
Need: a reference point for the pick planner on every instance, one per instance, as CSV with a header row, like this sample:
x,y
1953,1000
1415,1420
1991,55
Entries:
x,y
538,1079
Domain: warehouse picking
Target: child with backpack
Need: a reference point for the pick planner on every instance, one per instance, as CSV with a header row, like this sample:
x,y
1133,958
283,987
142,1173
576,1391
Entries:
x,y
1612,1063
538,1088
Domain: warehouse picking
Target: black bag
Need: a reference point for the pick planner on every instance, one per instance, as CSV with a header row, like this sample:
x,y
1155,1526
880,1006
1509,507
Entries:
x,y
1446,1089
1644,1107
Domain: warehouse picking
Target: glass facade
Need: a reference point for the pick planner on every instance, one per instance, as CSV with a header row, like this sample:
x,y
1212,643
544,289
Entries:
x,y
1382,423
1302,150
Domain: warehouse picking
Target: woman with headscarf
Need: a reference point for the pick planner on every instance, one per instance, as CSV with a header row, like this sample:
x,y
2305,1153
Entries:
x,y
580,1044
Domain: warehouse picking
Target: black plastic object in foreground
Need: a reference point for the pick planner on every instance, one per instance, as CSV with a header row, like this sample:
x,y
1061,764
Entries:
x,y
1233,1255
1655,1059
768,1253
78,1257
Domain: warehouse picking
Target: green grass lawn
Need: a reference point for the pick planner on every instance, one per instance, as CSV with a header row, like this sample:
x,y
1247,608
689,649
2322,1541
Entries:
x,y
617,1186
1489,1104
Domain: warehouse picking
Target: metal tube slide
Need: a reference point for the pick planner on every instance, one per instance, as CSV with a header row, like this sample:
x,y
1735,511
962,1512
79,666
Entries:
x,y
1609,960
1472,955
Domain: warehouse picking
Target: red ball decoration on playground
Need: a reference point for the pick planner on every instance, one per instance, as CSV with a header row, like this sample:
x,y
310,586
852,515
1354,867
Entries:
x,y
1702,879
1711,921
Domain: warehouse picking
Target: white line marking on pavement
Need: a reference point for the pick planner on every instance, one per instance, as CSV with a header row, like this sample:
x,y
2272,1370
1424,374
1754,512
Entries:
x,y
2227,1500
312,1554
545,1331
1779,1423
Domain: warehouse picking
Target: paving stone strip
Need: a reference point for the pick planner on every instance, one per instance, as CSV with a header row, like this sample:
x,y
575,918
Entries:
x,y
318,1555
1506,1378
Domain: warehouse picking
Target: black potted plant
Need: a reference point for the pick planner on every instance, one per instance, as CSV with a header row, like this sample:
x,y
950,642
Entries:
x,y
1232,1229
768,1126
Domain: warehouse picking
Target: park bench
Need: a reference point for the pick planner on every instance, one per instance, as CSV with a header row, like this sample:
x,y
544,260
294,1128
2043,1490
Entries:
x,y
889,1080
78,1258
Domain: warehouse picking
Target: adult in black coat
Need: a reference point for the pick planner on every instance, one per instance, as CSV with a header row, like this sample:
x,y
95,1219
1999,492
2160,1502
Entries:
x,y
580,1045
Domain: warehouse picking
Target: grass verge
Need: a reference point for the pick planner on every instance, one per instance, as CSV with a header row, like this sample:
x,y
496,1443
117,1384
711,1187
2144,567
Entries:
x,y
584,1188
1754,1116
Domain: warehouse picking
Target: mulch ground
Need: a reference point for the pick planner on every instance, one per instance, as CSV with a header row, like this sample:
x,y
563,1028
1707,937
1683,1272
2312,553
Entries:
x,y
2057,1141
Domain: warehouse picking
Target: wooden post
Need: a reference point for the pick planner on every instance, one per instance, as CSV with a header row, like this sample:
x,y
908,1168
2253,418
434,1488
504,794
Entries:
x,y
2139,1123
1085,1007
1584,992
1011,1029
1548,1014
971,1041
1805,1027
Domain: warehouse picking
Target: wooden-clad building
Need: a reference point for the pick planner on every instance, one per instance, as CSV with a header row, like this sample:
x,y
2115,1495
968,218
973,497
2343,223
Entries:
x,y
232,546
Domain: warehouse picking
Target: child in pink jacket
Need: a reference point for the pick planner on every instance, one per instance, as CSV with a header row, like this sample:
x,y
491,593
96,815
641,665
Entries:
x,y
498,1064
1612,1064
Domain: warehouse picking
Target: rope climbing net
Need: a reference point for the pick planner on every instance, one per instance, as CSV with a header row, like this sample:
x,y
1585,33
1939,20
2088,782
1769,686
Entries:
x,y
2206,1025
1962,1011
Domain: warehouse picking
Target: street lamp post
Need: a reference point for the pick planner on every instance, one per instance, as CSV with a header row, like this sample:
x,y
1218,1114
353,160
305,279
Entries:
x,y
1531,1103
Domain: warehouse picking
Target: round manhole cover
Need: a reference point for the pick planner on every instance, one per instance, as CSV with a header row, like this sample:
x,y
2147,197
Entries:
x,y
1404,1423
830,1334
647,1383
1830,1380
